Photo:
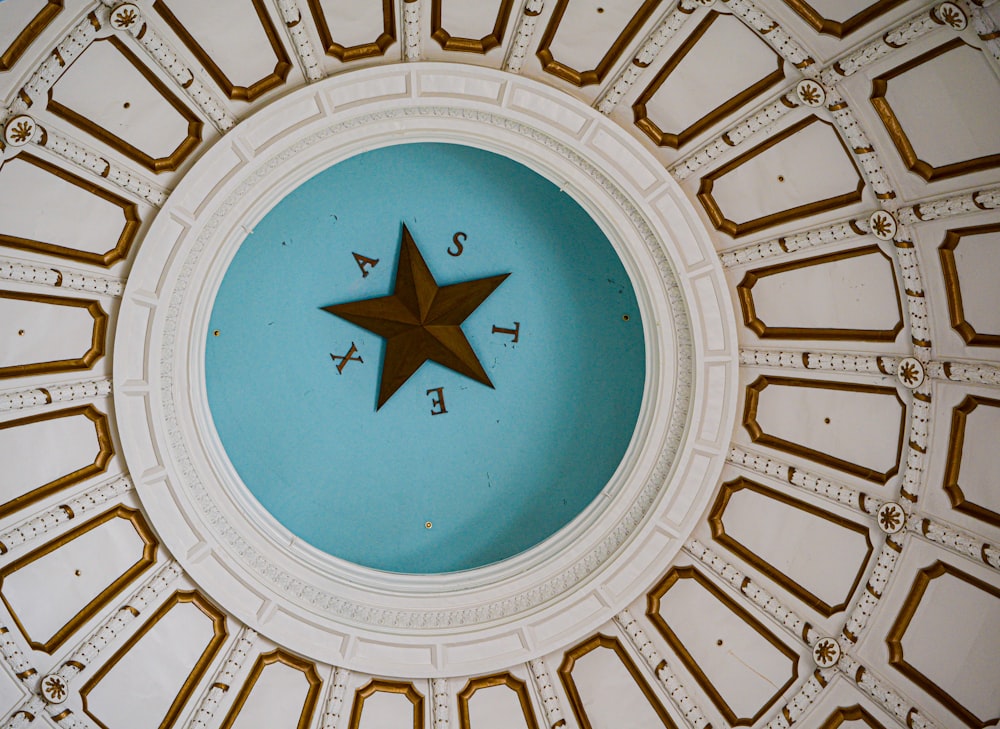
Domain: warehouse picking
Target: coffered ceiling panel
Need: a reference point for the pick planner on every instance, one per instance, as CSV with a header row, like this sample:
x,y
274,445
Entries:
x,y
966,255
956,79
691,74
358,30
138,116
840,17
852,427
69,446
239,46
943,601
774,183
741,665
281,692
600,677
93,563
180,638
489,700
97,226
381,703
975,423
44,334
460,26
586,38
849,295
818,556
22,25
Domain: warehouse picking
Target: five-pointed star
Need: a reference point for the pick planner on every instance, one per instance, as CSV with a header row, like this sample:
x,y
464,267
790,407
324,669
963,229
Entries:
x,y
420,321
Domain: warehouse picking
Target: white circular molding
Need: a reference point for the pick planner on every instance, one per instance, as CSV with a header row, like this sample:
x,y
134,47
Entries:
x,y
19,130
53,688
810,93
891,518
826,652
883,225
910,372
419,625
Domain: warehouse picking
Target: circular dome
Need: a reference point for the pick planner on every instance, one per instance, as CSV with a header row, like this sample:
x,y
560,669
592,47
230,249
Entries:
x,y
541,379
659,481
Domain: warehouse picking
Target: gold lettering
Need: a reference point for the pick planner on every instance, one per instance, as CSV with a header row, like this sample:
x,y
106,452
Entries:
x,y
437,403
513,332
364,263
457,240
349,357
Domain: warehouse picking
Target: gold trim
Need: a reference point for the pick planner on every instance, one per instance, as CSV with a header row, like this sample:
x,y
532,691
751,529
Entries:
x,y
723,110
956,442
160,164
239,93
85,361
594,75
104,453
757,434
109,593
393,687
751,321
928,172
716,520
500,679
365,50
218,619
572,693
894,638
470,45
953,287
129,209
850,713
839,29
736,230
653,612
278,656
30,33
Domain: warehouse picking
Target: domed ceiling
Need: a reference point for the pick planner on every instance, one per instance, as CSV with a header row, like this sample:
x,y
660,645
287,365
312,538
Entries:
x,y
800,205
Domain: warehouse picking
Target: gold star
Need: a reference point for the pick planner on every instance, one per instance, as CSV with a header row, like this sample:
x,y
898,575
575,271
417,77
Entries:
x,y
421,321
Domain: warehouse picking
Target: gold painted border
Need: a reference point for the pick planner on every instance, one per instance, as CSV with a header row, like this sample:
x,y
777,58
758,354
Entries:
x,y
956,443
129,209
736,230
104,453
239,93
679,139
279,656
895,635
653,612
605,641
218,619
365,50
757,326
108,594
595,75
928,172
85,361
839,29
953,287
757,434
470,45
500,679
30,33
160,164
717,514
850,713
392,687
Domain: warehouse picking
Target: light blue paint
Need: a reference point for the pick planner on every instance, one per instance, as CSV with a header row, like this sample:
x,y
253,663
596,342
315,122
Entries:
x,y
504,468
